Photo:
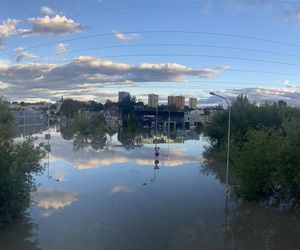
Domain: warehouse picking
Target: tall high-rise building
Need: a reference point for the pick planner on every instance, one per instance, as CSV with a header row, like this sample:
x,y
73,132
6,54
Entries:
x,y
123,95
153,100
192,103
180,102
171,100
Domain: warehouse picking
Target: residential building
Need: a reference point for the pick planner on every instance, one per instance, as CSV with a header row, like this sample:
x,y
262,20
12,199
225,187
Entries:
x,y
171,100
123,95
192,103
153,100
180,102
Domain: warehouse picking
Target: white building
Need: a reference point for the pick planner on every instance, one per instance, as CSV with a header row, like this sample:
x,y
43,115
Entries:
x,y
153,100
192,118
192,103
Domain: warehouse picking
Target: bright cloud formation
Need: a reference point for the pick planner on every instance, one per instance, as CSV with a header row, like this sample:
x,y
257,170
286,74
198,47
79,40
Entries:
x,y
7,29
47,10
54,198
290,94
61,48
24,55
125,37
50,26
120,189
92,70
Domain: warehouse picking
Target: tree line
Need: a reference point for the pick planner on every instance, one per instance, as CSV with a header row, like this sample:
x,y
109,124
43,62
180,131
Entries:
x,y
265,148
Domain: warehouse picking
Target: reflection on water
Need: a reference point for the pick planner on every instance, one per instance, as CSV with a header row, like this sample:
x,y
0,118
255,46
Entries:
x,y
257,227
21,235
126,192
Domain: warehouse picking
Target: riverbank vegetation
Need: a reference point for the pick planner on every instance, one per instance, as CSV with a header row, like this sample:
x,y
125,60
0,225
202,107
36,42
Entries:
x,y
20,161
265,148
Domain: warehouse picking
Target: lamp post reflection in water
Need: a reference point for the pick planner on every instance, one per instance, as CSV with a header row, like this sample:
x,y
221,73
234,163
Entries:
x,y
156,161
226,211
48,149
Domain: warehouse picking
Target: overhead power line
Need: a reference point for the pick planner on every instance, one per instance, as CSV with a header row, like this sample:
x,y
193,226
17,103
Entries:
x,y
176,45
191,7
207,56
228,35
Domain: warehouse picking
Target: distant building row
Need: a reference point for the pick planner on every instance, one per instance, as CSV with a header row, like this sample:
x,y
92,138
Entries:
x,y
177,101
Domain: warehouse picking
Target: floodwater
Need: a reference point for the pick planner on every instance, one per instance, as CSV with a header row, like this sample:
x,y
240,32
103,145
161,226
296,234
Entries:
x,y
110,194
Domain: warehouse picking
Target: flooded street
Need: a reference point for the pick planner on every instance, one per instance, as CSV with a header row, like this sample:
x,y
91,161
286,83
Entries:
x,y
113,195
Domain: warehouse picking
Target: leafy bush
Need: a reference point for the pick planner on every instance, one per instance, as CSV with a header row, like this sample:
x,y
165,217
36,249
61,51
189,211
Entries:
x,y
268,163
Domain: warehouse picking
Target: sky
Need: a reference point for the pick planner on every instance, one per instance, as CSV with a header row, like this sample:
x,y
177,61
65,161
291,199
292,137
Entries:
x,y
91,49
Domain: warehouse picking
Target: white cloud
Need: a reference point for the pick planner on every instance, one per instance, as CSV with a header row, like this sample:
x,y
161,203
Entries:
x,y
88,74
19,49
7,29
125,37
54,198
4,85
120,189
288,93
24,55
92,70
47,10
4,63
50,26
61,48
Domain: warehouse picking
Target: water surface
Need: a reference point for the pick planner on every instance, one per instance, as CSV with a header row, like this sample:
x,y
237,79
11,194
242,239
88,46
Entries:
x,y
104,194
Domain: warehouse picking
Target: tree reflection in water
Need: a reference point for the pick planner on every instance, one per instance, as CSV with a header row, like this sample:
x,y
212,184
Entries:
x,y
128,139
19,235
271,228
82,140
214,165
253,225
95,141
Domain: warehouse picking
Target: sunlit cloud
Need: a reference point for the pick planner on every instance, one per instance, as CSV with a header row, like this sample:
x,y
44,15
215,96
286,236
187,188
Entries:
x,y
61,48
120,189
288,93
125,37
50,26
84,69
7,28
47,10
19,49
24,55
4,85
89,74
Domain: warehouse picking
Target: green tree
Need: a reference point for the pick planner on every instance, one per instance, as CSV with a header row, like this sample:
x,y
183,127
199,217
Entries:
x,y
19,161
70,107
265,148
126,106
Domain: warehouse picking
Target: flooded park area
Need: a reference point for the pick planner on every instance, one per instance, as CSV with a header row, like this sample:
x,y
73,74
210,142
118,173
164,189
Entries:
x,y
122,191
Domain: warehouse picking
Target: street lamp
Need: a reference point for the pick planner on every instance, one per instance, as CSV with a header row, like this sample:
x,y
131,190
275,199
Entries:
x,y
228,140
